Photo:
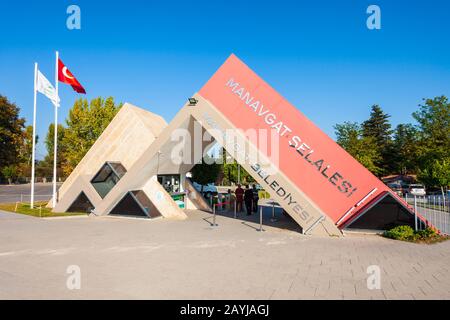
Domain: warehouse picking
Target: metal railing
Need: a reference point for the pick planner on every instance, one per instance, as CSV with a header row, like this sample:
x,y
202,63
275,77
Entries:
x,y
220,204
23,198
272,205
435,209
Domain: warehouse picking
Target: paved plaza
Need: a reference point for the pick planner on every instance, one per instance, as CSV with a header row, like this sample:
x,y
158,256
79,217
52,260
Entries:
x,y
127,258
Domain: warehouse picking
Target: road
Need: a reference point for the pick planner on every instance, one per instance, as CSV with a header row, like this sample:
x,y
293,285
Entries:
x,y
21,192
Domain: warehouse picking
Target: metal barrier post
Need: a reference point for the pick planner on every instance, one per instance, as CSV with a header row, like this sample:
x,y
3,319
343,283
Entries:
x,y
433,205
214,216
439,203
260,219
235,212
415,212
273,219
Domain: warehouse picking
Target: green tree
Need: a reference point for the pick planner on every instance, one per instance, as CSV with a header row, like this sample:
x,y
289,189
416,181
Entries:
x,y
437,174
26,149
232,172
206,172
441,174
11,135
362,148
50,144
85,123
406,145
378,128
45,167
433,120
10,172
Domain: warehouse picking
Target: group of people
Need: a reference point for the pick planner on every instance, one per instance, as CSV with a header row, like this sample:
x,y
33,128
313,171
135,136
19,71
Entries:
x,y
249,196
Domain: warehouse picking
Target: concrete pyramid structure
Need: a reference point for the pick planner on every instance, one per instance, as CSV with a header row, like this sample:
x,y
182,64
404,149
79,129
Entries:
x,y
317,183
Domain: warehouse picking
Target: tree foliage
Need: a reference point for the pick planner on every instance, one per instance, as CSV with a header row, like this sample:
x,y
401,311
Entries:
x,y
378,126
363,148
85,123
11,133
206,172
423,149
50,143
26,147
436,174
234,173
406,148
433,120
10,172
378,129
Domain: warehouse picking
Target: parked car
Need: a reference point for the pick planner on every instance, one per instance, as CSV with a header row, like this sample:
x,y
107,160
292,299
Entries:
x,y
416,189
208,189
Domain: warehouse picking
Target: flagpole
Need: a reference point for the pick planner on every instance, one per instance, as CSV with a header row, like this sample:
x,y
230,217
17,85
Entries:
x,y
34,138
56,132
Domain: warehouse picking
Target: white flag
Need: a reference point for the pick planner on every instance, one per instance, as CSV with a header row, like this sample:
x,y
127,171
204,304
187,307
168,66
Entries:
x,y
45,87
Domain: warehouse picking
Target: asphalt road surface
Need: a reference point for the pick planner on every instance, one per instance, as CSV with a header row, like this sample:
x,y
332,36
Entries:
x,y
21,192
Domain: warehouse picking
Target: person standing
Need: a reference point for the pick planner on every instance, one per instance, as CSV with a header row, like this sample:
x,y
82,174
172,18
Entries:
x,y
248,199
239,192
255,199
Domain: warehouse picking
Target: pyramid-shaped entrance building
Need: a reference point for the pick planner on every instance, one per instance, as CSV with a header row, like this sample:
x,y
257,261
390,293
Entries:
x,y
317,183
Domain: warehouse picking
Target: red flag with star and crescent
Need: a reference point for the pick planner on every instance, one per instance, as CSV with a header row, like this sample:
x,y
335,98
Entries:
x,y
65,76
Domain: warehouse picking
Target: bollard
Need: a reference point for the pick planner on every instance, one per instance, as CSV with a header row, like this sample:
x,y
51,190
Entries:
x,y
21,198
40,211
273,219
235,212
15,209
214,216
260,219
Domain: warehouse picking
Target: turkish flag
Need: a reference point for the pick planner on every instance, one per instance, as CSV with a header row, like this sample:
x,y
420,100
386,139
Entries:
x,y
65,76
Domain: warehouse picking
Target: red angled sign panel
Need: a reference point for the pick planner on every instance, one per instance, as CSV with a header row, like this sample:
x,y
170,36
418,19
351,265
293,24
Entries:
x,y
317,165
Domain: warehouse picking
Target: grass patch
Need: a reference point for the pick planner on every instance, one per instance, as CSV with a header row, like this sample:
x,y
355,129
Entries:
x,y
39,210
406,233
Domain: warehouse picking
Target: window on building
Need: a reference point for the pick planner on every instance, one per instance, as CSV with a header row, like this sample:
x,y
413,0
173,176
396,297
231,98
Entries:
x,y
136,204
81,204
108,176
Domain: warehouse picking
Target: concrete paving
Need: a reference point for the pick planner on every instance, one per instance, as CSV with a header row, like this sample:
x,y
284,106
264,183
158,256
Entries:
x,y
127,258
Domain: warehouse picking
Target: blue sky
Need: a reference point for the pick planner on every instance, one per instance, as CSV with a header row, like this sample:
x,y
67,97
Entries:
x,y
155,54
